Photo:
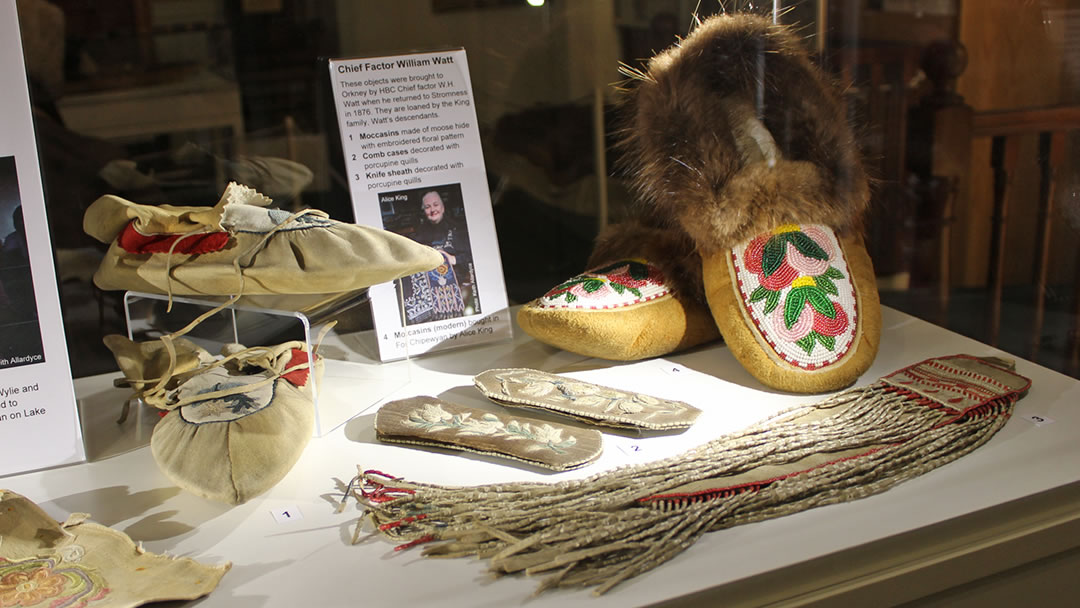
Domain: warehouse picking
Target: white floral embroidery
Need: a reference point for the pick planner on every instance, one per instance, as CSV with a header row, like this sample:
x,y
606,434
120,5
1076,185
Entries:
x,y
548,434
488,424
71,553
537,389
433,417
578,389
591,401
431,414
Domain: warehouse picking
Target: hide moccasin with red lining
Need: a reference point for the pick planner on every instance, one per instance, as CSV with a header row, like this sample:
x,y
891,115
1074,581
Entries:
x,y
241,246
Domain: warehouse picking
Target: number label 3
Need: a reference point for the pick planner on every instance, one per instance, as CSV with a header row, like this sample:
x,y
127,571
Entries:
x,y
1038,420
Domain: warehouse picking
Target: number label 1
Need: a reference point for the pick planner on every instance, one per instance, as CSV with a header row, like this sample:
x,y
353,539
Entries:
x,y
286,514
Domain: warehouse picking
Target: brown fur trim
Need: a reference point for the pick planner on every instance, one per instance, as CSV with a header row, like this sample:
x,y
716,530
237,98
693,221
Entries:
x,y
694,160
668,249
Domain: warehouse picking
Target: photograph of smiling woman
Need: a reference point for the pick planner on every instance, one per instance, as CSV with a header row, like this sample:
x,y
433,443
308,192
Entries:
x,y
435,216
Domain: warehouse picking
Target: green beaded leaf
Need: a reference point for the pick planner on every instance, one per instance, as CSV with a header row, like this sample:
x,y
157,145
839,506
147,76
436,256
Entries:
x,y
618,287
793,306
820,302
807,342
806,245
826,284
833,273
759,294
564,286
570,297
592,285
828,341
560,291
634,290
773,255
772,301
639,271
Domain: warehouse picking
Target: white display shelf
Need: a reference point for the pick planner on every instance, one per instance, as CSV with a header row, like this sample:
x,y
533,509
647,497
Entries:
x,y
1012,506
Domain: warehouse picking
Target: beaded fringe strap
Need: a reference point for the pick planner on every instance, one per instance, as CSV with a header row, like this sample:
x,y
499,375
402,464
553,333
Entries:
x,y
616,525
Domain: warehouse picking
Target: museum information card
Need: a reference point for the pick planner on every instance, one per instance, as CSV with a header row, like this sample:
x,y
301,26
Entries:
x,y
39,422
415,167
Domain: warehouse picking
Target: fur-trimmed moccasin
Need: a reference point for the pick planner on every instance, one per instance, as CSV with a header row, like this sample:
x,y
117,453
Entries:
x,y
739,142
640,298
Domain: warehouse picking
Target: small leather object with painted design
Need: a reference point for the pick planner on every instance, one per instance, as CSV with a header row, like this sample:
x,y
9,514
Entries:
x,y
429,421
593,403
80,563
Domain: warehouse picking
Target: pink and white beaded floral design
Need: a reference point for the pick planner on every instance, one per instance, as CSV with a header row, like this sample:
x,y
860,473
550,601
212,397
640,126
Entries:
x,y
617,285
796,286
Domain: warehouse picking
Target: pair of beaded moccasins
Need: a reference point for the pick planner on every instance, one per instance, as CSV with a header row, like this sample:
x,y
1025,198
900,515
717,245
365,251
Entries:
x,y
753,195
234,425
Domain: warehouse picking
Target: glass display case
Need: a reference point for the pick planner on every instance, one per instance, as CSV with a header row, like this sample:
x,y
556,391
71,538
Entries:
x,y
965,115
965,119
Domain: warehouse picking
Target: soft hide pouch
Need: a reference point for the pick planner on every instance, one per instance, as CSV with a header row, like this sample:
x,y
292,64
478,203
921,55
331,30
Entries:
x,y
237,432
